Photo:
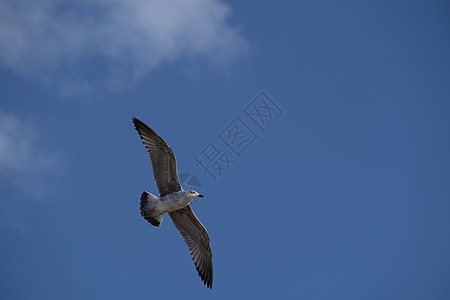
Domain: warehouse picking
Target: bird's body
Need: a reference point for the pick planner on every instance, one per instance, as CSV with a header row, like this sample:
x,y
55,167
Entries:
x,y
174,201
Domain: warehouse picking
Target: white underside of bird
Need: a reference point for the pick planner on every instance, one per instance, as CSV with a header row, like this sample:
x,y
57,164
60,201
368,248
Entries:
x,y
153,207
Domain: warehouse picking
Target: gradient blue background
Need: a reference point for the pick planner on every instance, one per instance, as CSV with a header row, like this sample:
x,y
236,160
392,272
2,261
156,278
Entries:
x,y
345,196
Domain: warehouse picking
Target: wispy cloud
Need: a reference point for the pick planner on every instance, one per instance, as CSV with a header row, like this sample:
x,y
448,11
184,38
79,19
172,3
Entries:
x,y
25,168
59,41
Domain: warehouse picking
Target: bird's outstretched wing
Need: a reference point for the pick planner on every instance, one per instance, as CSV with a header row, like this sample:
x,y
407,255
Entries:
x,y
163,160
196,237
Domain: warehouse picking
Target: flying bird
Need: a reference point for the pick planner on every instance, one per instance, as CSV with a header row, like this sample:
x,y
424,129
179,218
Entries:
x,y
174,201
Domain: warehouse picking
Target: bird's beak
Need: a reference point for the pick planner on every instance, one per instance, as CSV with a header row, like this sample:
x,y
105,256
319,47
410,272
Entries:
x,y
201,196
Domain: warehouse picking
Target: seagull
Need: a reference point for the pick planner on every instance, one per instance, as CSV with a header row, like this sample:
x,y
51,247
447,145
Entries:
x,y
174,201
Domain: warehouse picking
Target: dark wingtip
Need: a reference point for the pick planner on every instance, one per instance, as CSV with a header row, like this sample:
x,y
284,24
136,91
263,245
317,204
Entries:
x,y
208,284
136,121
139,126
206,279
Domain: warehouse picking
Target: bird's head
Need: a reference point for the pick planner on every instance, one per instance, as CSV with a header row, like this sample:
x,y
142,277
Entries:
x,y
194,194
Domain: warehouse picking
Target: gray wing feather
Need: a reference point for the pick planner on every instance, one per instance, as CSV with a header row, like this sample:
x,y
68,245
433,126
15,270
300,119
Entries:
x,y
163,160
197,239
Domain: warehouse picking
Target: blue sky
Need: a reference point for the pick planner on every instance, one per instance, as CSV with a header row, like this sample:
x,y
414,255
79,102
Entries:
x,y
343,194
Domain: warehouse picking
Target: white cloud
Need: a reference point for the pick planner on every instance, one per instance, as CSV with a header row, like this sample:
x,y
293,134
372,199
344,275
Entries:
x,y
19,152
23,163
58,40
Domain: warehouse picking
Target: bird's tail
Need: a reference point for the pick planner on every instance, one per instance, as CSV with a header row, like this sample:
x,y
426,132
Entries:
x,y
148,209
